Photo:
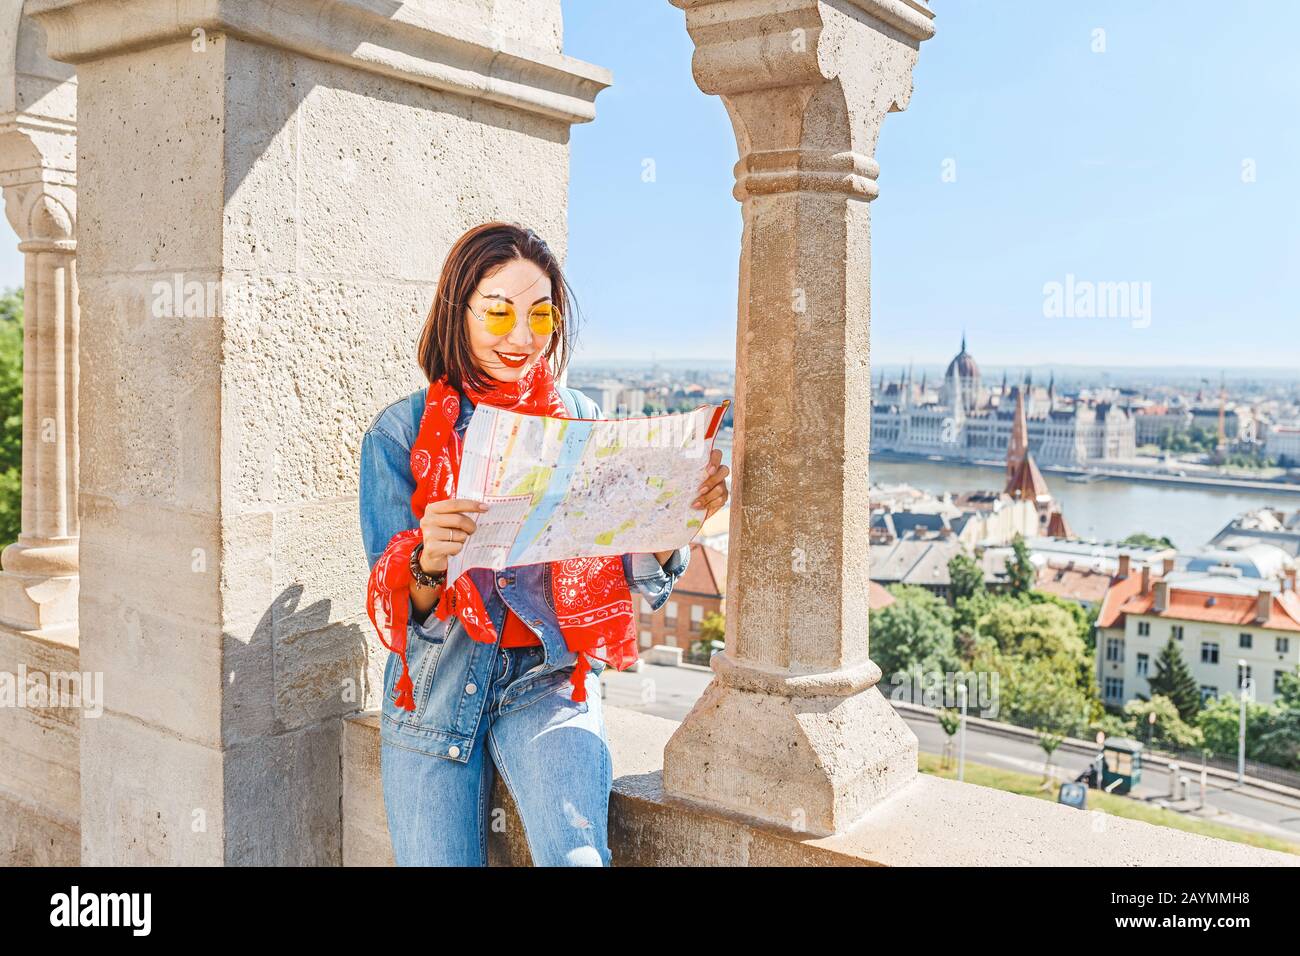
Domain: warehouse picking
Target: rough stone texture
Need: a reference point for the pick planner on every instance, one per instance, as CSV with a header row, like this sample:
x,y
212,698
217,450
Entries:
x,y
313,183
40,793
928,822
792,723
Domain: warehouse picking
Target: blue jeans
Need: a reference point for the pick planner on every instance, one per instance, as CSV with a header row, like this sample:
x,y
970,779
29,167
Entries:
x,y
552,755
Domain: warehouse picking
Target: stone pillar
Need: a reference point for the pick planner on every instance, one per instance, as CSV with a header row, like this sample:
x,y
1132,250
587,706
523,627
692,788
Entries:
x,y
268,190
38,584
793,730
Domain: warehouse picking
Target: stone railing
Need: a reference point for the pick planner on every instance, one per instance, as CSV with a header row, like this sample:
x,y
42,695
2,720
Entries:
x,y
930,821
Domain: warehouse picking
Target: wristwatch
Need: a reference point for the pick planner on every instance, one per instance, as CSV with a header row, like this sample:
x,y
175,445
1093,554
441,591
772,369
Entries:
x,y
423,577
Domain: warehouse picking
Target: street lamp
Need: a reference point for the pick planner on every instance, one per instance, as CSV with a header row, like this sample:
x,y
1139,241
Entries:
x,y
1101,759
1241,722
961,732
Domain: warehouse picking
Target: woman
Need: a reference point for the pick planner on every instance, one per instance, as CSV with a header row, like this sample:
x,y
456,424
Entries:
x,y
501,672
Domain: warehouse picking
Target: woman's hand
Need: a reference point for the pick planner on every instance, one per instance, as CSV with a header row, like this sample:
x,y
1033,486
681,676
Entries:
x,y
446,525
713,492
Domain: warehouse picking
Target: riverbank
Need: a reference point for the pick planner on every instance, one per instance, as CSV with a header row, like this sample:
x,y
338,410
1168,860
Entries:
x,y
1110,474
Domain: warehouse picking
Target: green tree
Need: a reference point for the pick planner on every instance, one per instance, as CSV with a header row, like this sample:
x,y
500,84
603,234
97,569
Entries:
x,y
966,576
11,415
1085,619
1143,540
1220,719
1034,630
713,628
1174,680
1272,730
1035,692
950,721
968,610
914,633
1049,742
1169,727
1021,573
1043,674
1279,740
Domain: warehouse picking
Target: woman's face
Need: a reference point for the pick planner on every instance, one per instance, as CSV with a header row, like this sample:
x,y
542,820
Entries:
x,y
507,357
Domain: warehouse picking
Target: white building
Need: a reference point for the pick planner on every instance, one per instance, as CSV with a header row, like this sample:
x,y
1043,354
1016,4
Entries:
x,y
1283,444
1216,618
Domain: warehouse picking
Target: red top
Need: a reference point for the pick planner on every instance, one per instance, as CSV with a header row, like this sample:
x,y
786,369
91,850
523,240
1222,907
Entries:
x,y
515,633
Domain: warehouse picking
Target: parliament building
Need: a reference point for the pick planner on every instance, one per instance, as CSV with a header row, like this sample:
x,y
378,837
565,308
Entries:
x,y
969,421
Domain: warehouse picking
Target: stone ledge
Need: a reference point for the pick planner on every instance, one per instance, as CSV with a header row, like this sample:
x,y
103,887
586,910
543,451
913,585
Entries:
x,y
931,822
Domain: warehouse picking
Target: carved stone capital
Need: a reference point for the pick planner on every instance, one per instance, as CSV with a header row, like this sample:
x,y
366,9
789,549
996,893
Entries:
x,y
807,84
43,214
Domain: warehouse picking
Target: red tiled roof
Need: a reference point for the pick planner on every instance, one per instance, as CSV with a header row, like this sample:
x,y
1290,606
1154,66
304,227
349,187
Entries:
x,y
1076,584
1125,597
878,596
706,573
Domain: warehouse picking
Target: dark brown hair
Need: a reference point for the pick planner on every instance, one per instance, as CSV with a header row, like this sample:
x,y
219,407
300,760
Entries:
x,y
444,347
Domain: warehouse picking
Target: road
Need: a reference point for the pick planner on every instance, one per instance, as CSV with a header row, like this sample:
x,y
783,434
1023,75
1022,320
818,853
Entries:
x,y
672,691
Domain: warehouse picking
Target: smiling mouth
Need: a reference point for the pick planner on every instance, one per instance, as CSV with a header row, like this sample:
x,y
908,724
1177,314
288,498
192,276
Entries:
x,y
513,359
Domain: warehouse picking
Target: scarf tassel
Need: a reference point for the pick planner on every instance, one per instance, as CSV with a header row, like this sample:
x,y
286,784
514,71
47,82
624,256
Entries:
x,y
405,688
579,678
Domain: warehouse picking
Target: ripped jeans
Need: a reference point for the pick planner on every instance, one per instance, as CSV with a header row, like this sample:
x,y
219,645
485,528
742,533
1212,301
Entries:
x,y
553,757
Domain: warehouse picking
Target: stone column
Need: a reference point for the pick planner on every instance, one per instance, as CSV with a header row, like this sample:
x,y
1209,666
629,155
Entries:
x,y
268,190
793,730
38,584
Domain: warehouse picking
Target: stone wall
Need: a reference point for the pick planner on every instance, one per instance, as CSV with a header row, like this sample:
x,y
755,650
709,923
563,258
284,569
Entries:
x,y
308,163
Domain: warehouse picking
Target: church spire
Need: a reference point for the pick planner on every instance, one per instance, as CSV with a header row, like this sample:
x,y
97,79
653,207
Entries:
x,y
1018,446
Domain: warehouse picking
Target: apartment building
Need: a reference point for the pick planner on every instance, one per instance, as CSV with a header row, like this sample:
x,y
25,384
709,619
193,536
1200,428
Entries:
x,y
1218,619
698,592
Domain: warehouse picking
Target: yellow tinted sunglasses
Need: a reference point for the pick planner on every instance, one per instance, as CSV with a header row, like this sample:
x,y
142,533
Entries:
x,y
500,317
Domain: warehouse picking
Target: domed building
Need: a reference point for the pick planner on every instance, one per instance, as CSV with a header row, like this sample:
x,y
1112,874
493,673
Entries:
x,y
961,383
972,423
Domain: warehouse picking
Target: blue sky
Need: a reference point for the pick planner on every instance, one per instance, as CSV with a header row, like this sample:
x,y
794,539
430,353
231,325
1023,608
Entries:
x,y
1119,166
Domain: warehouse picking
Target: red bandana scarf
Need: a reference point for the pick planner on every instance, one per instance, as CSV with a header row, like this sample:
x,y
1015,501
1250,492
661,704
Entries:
x,y
591,598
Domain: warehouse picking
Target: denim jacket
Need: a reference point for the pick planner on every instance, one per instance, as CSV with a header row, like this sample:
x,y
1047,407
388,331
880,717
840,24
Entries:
x,y
449,669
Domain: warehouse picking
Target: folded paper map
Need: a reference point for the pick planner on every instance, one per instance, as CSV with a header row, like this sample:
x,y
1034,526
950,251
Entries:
x,y
568,488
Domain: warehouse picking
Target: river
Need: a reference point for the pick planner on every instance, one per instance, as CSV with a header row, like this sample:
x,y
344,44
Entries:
x,y
1106,510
